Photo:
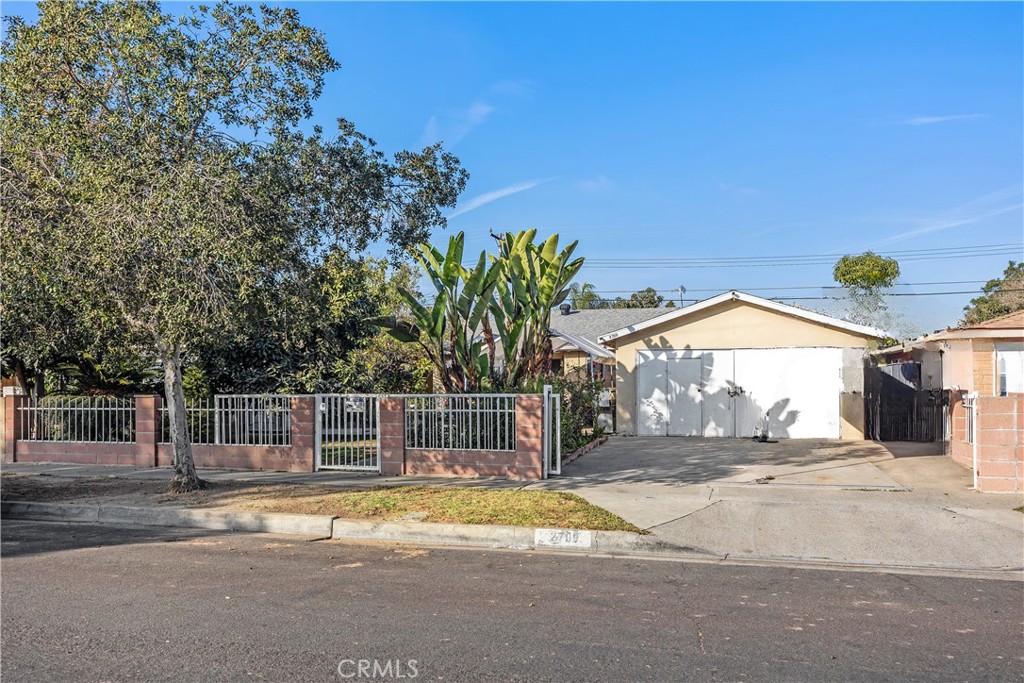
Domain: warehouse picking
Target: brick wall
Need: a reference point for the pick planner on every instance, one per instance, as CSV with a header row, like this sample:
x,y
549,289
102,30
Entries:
x,y
526,462
1000,442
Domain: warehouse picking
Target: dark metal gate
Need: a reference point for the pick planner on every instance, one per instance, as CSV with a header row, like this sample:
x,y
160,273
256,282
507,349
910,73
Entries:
x,y
897,408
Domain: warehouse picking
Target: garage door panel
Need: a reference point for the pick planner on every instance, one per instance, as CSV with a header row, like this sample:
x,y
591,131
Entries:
x,y
718,383
798,388
652,398
684,396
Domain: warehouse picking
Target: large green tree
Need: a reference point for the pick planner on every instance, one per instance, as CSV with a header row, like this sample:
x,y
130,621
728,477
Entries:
x,y
1002,295
865,278
644,298
155,181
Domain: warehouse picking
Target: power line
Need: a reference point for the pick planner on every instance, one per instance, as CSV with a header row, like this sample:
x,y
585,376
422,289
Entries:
x,y
675,290
906,254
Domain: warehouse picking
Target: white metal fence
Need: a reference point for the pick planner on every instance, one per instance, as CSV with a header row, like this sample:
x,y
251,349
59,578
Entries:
x,y
83,419
252,419
199,418
346,432
235,420
484,422
970,403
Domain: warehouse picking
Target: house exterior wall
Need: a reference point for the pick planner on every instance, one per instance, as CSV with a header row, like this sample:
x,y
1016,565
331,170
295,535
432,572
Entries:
x,y
983,356
734,325
958,365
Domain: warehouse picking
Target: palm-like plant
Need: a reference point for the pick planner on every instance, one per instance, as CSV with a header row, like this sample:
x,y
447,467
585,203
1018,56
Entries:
x,y
448,330
532,280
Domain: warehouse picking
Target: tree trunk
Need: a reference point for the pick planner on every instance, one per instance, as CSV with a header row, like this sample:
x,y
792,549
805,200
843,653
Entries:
x,y
19,377
185,478
40,384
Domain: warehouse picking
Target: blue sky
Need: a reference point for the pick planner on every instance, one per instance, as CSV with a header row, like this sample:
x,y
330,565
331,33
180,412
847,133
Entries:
x,y
686,130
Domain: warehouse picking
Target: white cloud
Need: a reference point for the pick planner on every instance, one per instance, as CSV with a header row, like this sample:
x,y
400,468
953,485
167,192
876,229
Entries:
x,y
739,190
927,120
975,211
595,185
492,196
452,126
513,88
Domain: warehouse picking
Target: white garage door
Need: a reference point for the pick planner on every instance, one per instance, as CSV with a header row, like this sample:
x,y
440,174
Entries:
x,y
728,392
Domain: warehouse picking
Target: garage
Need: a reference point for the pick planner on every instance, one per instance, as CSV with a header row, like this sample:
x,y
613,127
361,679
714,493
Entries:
x,y
796,391
728,365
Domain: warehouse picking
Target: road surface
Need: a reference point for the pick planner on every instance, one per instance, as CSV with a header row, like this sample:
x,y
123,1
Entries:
x,y
91,603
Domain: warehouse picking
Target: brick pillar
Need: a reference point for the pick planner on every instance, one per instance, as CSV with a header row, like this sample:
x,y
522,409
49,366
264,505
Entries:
x,y
147,430
12,425
304,417
529,437
391,433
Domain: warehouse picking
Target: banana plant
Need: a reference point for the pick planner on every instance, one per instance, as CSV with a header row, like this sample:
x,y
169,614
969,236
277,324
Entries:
x,y
449,329
532,280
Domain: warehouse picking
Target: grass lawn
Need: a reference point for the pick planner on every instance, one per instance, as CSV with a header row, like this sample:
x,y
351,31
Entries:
x,y
450,503
454,505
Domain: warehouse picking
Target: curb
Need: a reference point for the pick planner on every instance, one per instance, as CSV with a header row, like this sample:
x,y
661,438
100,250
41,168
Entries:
x,y
120,515
325,526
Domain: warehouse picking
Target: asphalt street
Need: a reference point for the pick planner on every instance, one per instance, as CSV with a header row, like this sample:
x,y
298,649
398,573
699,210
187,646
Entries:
x,y
90,603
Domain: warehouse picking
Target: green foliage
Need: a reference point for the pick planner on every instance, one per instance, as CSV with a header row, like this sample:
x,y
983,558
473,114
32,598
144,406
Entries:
x,y
584,296
866,272
579,407
129,212
509,301
1002,295
119,372
531,281
645,298
865,277
195,383
447,330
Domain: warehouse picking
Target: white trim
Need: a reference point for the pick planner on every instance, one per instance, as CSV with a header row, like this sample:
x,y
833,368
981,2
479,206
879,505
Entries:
x,y
750,299
584,345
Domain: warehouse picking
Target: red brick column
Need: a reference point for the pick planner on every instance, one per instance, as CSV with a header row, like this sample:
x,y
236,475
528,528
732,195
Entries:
x,y
12,425
147,427
391,433
304,416
529,438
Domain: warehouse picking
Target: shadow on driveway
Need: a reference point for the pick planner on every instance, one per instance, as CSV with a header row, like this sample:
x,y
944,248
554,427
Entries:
x,y
694,461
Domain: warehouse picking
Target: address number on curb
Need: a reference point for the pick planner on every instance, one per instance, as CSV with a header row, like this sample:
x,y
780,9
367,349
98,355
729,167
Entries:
x,y
563,538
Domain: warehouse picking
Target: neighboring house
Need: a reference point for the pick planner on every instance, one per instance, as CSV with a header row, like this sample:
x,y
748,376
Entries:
x,y
575,334
987,358
726,365
981,369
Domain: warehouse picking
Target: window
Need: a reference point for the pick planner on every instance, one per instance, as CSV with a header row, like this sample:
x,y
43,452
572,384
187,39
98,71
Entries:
x,y
1010,368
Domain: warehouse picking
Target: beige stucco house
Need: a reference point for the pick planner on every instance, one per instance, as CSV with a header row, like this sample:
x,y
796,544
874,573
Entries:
x,y
730,364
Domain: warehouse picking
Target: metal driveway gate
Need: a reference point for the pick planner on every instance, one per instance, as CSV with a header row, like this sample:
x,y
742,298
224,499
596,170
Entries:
x,y
552,432
346,432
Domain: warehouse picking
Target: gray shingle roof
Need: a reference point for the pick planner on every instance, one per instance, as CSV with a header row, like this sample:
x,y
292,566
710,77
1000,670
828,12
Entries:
x,y
593,323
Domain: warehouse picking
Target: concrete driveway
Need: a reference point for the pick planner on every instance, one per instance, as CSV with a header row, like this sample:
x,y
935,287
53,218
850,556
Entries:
x,y
689,461
850,503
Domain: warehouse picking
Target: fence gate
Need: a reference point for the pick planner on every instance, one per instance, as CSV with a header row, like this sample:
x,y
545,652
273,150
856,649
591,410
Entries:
x,y
346,432
552,437
897,408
